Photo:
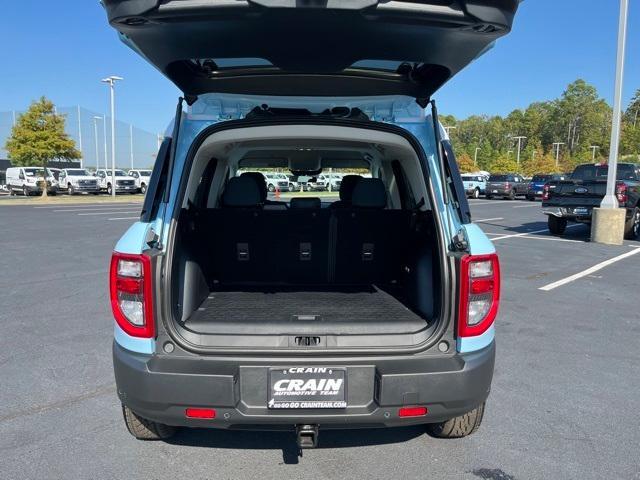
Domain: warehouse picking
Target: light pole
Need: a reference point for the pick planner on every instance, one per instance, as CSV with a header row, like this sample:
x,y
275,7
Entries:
x,y
593,151
111,81
131,144
80,137
95,133
609,220
557,145
475,157
519,139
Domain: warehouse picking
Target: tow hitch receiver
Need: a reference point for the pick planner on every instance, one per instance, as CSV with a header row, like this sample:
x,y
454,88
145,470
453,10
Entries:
x,y
307,436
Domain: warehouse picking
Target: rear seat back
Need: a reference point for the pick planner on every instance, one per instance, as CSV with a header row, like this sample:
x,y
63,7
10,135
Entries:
x,y
305,244
371,241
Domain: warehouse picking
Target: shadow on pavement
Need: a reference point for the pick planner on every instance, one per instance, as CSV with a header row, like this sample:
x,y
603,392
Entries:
x,y
286,440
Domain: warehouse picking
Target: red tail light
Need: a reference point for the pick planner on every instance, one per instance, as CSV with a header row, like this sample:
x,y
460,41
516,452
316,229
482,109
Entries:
x,y
479,294
412,412
546,191
621,192
201,413
131,294
507,186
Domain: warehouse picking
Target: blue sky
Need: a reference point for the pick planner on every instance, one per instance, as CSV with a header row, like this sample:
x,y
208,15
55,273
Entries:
x,y
63,49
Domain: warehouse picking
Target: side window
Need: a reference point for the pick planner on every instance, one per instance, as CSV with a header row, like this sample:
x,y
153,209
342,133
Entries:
x,y
157,183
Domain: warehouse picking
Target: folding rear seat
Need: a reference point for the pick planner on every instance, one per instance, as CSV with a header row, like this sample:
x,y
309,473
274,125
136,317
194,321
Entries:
x,y
299,242
239,251
370,245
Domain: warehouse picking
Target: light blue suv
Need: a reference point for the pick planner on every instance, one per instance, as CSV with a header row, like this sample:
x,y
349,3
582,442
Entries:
x,y
235,310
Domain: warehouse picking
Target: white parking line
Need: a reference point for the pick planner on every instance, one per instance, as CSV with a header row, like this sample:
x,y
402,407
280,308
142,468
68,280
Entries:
x,y
489,202
97,209
93,205
529,233
488,219
107,213
528,206
590,270
124,218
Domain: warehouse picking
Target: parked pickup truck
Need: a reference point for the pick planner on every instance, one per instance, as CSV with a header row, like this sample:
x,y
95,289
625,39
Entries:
x,y
77,180
124,183
506,185
573,200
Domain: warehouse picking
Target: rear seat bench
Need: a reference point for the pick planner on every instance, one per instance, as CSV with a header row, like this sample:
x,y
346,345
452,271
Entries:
x,y
356,244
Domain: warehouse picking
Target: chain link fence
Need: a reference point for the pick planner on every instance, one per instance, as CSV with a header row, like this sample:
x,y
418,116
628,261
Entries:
x,y
135,148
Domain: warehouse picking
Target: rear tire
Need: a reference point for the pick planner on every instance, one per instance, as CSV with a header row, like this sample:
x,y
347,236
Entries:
x,y
458,427
144,429
143,189
25,192
488,196
271,188
109,189
531,198
632,227
557,226
71,190
512,195
476,193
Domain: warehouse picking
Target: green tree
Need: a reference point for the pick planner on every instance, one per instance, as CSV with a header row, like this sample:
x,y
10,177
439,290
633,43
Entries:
x,y
465,163
503,164
630,140
38,137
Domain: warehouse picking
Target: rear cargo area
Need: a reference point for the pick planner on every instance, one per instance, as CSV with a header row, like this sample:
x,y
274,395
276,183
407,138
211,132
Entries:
x,y
251,270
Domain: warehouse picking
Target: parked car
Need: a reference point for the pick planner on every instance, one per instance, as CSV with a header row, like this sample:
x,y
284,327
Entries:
x,y
380,312
573,200
29,181
537,183
78,180
276,181
142,179
474,185
507,185
316,184
331,181
124,183
298,183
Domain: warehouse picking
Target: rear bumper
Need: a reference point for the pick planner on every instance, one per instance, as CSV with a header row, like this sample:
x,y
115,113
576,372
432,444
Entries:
x,y
568,213
160,388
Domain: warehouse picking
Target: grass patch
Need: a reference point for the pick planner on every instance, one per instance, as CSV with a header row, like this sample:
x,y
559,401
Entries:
x,y
68,200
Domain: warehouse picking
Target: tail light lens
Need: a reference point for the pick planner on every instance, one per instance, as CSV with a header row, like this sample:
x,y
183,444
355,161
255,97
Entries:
x,y
507,185
546,191
479,294
621,192
131,294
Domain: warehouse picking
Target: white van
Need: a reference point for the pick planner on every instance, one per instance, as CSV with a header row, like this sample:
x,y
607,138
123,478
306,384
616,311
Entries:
x,y
27,180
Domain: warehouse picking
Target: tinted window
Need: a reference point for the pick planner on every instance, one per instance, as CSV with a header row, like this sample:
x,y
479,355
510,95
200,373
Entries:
x,y
498,178
467,179
599,172
540,178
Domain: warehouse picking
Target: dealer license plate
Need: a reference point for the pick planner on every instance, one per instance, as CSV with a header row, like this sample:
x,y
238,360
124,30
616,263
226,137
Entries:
x,y
307,387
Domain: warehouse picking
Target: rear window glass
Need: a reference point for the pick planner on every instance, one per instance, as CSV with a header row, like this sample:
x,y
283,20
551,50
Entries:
x,y
467,179
540,178
498,178
599,172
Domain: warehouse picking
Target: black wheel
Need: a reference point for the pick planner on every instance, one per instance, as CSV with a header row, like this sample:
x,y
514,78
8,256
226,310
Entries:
x,y
25,192
512,195
531,198
71,190
488,196
144,429
271,188
11,192
143,189
557,225
632,227
458,427
109,189
476,193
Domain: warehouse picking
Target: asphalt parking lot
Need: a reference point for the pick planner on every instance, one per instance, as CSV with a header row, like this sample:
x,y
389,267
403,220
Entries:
x,y
565,393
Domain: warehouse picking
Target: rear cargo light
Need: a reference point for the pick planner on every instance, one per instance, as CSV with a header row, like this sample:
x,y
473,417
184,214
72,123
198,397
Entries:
x,y
201,413
621,192
131,294
546,190
479,294
412,412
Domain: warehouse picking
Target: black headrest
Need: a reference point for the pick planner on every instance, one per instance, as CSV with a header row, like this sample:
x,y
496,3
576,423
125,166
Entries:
x,y
348,183
369,193
260,180
299,203
241,192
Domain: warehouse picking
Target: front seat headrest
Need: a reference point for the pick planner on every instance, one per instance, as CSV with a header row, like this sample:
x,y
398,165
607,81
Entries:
x,y
300,203
242,192
260,180
348,183
369,193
